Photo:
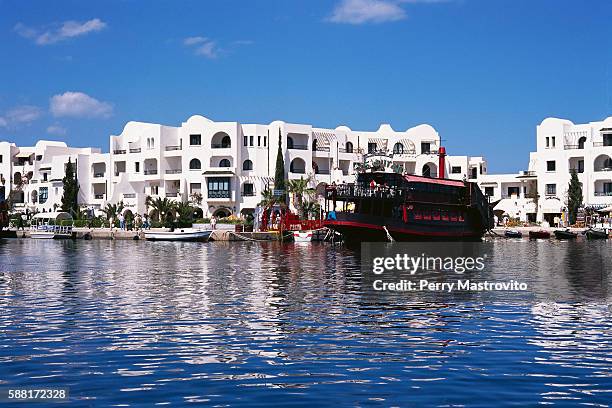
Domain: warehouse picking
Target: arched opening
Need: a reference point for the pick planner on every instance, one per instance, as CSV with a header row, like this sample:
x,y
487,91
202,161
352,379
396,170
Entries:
x,y
603,163
34,196
195,164
17,178
222,212
398,148
320,190
289,142
429,170
221,140
581,142
348,147
198,213
297,166
247,165
225,163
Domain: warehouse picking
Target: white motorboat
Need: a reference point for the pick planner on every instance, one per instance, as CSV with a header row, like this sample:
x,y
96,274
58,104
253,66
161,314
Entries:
x,y
178,234
49,226
302,236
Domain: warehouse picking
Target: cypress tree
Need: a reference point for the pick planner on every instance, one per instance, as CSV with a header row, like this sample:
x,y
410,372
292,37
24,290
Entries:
x,y
574,200
71,191
279,175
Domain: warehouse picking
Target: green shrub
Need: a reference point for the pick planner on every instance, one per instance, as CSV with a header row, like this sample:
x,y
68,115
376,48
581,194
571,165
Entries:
x,y
202,221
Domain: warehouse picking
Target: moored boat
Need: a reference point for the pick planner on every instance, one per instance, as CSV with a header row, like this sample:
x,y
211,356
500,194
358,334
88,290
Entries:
x,y
513,234
178,234
593,233
49,225
384,206
540,234
302,236
565,234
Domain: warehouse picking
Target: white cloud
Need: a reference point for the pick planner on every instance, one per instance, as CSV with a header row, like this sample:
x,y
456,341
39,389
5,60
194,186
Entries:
x,y
60,32
373,11
78,104
366,11
19,115
56,130
202,46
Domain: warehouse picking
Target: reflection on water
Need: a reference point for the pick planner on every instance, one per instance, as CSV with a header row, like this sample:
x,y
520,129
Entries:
x,y
145,323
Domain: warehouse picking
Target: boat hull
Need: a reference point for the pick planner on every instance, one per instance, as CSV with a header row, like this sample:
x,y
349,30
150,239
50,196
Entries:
x,y
178,235
49,235
513,234
358,231
302,236
593,234
539,234
565,235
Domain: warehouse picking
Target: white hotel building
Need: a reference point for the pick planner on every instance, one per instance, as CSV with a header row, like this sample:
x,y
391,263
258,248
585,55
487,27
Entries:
x,y
561,146
229,163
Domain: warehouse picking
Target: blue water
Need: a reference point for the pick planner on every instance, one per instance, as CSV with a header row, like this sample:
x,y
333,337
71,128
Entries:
x,y
124,323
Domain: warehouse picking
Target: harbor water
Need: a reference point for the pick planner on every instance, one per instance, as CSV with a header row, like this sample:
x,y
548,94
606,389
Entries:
x,y
136,323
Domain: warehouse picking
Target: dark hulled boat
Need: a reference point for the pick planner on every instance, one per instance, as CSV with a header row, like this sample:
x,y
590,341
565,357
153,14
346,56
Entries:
x,y
593,233
565,234
541,234
389,206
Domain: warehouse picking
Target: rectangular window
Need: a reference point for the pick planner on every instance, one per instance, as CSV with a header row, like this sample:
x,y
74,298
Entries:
x,y
265,140
580,168
0,158
219,187
246,140
513,191
137,167
425,148
43,194
607,188
195,140
607,139
547,142
553,141
247,189
258,140
154,190
371,147
489,191
195,188
551,189
456,169
45,175
251,138
551,165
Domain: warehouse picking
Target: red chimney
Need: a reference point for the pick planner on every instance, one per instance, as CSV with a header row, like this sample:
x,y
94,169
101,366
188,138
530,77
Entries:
x,y
441,156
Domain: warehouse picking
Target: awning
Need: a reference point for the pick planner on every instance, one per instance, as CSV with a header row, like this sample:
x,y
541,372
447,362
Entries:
x,y
218,173
59,216
24,155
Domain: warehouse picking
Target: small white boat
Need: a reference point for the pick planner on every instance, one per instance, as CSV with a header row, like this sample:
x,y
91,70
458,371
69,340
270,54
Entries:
x,y
178,234
302,236
49,226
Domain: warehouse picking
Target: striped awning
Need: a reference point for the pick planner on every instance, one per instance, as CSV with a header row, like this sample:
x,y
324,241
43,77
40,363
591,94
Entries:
x,y
381,143
324,139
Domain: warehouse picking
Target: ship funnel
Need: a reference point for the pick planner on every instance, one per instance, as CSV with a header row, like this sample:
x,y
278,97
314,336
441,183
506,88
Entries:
x,y
441,161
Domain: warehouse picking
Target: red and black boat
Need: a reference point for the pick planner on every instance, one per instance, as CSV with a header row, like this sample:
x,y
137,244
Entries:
x,y
383,206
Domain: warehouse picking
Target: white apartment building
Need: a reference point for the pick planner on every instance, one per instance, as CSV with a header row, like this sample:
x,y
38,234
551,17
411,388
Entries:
x,y
228,163
561,146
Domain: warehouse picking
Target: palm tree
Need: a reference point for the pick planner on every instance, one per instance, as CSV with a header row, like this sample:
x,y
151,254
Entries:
x,y
112,211
268,199
311,209
299,188
184,211
162,207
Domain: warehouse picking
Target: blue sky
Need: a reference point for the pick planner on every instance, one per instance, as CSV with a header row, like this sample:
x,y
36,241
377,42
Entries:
x,y
483,73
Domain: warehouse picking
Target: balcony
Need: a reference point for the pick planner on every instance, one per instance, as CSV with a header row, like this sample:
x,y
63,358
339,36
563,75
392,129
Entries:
x,y
298,147
298,171
572,147
99,196
171,195
219,194
527,173
324,172
220,146
132,195
150,172
322,149
177,171
172,148
603,194
137,150
248,193
119,151
98,175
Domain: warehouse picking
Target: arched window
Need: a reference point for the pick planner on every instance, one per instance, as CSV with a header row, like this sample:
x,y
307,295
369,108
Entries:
x,y
226,142
607,163
289,142
426,171
225,163
195,164
581,142
349,147
247,165
398,148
